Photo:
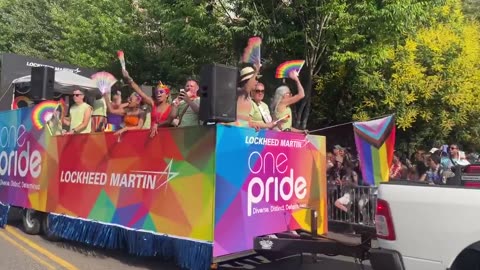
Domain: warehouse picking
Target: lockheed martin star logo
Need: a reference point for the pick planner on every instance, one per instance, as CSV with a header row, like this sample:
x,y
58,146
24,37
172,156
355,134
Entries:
x,y
167,175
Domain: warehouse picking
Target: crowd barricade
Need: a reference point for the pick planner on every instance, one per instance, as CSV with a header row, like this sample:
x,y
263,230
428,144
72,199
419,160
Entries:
x,y
362,202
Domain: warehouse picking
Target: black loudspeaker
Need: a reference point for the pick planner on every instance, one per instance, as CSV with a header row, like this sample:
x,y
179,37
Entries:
x,y
218,93
41,84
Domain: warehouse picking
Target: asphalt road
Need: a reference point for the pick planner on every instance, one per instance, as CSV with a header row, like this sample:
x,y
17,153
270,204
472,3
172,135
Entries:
x,y
26,252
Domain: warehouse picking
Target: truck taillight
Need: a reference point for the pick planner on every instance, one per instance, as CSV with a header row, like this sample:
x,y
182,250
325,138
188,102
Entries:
x,y
384,221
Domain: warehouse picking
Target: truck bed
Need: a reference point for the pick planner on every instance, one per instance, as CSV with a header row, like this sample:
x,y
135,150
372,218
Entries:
x,y
432,224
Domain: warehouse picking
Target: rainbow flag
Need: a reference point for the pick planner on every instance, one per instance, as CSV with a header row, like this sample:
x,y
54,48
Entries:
x,y
375,142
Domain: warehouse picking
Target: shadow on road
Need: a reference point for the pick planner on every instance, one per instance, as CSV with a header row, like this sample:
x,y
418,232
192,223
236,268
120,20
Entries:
x,y
256,261
15,220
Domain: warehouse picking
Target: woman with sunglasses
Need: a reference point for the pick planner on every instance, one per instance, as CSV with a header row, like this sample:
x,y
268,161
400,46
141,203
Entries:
x,y
161,115
260,113
133,115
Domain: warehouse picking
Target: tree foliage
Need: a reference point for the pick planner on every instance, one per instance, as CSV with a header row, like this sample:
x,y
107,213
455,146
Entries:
x,y
472,8
425,73
26,28
292,30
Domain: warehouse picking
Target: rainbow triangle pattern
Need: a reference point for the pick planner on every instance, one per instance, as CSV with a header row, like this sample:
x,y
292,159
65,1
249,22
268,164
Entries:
x,y
375,142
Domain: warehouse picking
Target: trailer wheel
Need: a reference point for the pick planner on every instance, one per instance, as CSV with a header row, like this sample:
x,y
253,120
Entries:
x,y
31,221
46,230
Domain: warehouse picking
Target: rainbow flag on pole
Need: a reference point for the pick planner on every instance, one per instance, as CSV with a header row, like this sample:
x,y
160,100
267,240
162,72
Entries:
x,y
375,141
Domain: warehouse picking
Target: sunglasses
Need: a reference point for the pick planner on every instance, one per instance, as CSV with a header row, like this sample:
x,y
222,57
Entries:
x,y
453,148
161,92
260,91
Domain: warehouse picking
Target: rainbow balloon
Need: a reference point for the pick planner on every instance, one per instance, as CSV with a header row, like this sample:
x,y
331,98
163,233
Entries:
x,y
43,112
251,54
121,57
18,100
286,67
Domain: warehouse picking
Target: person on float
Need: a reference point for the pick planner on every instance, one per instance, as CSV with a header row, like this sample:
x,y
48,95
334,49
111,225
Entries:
x,y
133,115
80,120
115,121
161,115
248,80
99,114
260,116
282,102
187,106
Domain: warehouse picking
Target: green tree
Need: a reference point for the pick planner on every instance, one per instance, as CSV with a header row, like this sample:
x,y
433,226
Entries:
x,y
471,8
423,69
27,28
187,35
89,35
291,30
358,57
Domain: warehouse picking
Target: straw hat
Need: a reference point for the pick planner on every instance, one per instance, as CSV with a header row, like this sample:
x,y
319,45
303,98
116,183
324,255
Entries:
x,y
247,73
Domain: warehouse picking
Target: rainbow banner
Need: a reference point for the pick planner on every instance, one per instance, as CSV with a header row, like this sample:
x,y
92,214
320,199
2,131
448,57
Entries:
x,y
163,185
375,141
218,186
24,157
264,182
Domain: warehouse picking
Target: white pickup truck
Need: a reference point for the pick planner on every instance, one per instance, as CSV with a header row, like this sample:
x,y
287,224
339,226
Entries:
x,y
425,227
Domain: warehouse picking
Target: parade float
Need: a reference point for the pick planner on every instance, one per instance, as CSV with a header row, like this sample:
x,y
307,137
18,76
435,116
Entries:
x,y
193,195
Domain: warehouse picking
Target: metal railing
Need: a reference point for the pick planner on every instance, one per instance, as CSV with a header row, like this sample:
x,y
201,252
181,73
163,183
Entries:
x,y
359,203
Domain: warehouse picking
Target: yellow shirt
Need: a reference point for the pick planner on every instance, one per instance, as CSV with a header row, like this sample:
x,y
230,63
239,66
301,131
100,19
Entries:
x,y
260,113
76,117
286,123
99,108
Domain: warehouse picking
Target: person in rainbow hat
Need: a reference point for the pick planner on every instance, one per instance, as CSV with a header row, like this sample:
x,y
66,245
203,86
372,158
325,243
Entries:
x,y
161,115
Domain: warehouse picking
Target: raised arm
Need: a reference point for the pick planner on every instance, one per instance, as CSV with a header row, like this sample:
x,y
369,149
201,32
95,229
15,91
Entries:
x,y
193,103
148,100
111,109
287,101
252,82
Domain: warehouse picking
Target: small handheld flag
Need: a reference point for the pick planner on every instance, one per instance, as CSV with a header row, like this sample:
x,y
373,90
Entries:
x,y
121,57
42,112
281,119
251,54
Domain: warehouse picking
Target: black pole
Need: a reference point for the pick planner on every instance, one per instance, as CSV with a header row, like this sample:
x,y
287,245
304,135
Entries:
x,y
313,222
